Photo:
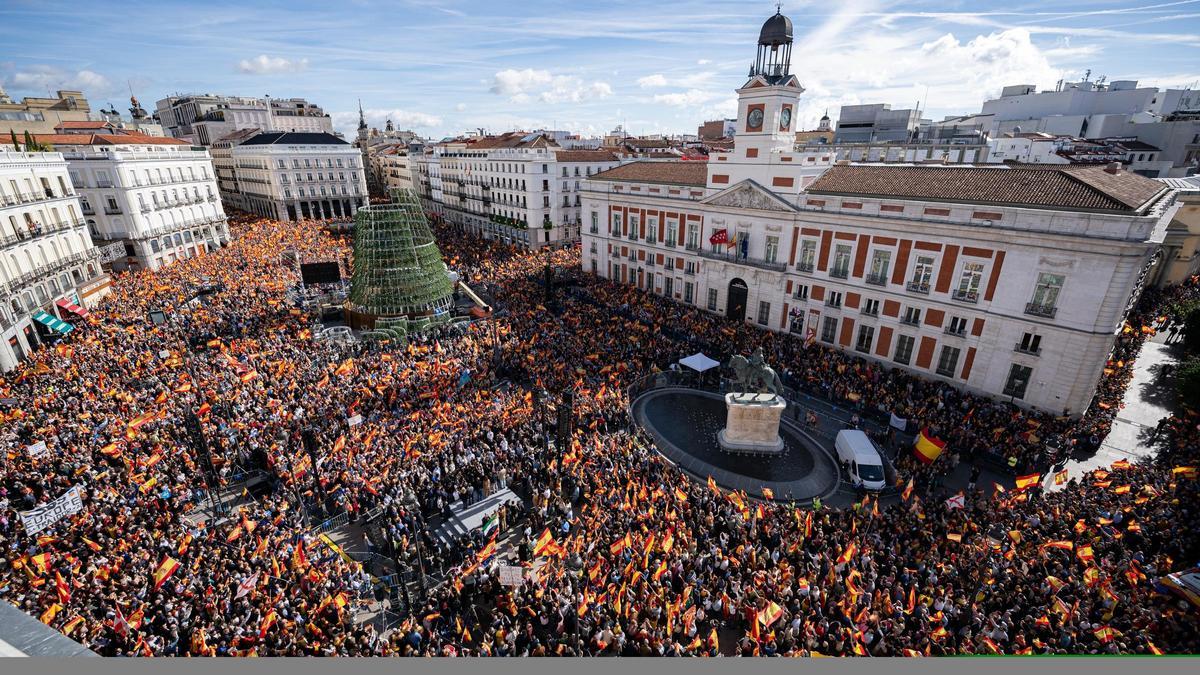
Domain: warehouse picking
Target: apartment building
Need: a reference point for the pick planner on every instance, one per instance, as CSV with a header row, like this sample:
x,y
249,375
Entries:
x,y
204,118
50,271
518,188
156,197
296,176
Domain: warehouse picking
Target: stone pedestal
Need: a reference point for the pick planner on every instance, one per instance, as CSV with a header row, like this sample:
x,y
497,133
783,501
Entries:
x,y
752,424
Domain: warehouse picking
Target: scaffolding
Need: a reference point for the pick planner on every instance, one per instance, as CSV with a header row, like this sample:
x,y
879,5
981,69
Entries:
x,y
398,269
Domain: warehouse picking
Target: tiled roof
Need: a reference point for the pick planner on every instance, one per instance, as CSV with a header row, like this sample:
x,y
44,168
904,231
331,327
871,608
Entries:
x,y
585,156
510,139
82,124
672,173
1089,188
101,139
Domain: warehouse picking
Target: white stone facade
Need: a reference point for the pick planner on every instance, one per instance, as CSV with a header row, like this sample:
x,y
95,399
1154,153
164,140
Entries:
x,y
300,176
46,253
527,193
160,201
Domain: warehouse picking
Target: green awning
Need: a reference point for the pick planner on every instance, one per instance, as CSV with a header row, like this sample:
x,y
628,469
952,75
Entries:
x,y
56,325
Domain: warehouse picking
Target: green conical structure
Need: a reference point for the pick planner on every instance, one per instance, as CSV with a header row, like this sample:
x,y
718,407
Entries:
x,y
398,269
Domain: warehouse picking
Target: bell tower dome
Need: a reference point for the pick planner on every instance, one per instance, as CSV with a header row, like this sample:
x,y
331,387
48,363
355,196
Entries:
x,y
767,101
774,47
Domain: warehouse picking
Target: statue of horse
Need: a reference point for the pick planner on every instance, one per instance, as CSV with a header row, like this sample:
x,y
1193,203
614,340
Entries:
x,y
759,379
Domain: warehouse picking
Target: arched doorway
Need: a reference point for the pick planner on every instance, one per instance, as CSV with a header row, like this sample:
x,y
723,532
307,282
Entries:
x,y
735,304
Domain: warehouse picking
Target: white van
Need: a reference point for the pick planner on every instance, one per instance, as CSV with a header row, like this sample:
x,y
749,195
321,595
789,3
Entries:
x,y
858,455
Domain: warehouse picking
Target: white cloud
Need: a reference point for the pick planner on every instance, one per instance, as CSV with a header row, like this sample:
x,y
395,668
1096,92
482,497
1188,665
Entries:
x,y
459,107
652,81
265,65
703,62
523,86
378,117
42,78
690,98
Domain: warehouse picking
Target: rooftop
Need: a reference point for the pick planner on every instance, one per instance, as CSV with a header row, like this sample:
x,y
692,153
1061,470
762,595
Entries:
x,y
125,138
1076,188
511,139
668,172
294,138
585,156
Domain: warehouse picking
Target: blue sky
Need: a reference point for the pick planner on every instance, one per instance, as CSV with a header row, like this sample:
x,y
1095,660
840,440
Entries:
x,y
445,66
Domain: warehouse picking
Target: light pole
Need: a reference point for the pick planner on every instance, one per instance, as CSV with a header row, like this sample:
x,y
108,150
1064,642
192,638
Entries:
x,y
204,455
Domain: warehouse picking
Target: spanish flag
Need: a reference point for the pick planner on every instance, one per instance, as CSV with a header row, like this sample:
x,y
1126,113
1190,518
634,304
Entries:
x,y
544,542
165,569
848,554
770,614
268,621
1060,478
50,613
928,448
1028,480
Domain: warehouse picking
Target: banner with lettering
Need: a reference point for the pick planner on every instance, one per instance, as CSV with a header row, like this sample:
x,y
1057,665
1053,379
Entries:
x,y
67,504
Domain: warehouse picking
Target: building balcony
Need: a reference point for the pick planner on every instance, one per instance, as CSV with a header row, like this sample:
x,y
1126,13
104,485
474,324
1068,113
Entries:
x,y
743,260
1025,349
806,268
1046,311
910,321
869,311
917,287
956,332
877,279
965,296
840,273
692,246
835,304
112,210
87,210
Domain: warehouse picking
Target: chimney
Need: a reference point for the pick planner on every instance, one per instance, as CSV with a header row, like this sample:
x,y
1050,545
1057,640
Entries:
x,y
1113,168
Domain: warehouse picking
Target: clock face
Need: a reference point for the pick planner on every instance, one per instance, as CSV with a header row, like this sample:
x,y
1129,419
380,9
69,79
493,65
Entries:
x,y
785,118
755,119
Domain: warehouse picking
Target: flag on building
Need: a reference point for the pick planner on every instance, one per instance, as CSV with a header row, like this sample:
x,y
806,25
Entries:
x,y
719,237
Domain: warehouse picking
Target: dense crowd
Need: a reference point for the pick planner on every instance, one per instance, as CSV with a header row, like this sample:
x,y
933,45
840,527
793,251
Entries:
x,y
623,553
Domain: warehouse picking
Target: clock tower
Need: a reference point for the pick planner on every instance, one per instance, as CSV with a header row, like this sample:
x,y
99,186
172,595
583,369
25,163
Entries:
x,y
767,102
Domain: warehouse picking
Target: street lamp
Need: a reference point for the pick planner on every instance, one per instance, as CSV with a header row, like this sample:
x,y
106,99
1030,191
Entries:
x,y
309,439
203,453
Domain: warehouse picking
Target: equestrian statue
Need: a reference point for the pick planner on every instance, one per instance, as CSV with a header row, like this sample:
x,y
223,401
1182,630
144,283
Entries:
x,y
754,375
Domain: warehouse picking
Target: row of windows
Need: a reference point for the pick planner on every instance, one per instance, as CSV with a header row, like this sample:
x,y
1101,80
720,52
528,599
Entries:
x,y
158,176
921,276
312,191
310,163
299,178
948,359
42,189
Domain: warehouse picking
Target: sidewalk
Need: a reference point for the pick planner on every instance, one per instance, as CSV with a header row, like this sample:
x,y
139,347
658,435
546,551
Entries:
x,y
1149,398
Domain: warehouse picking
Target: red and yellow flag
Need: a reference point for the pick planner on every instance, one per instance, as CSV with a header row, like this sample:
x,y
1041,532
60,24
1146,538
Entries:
x,y
165,569
1028,480
927,448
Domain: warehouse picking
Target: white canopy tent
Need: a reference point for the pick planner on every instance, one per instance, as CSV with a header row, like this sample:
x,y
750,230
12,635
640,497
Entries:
x,y
699,362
